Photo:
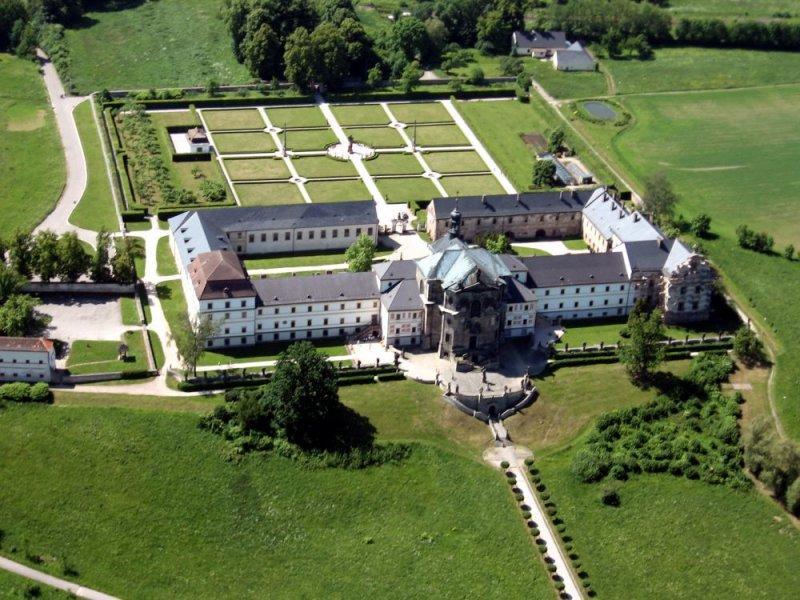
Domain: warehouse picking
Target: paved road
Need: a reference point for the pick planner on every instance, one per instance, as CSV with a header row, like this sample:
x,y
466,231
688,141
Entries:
x,y
63,105
72,588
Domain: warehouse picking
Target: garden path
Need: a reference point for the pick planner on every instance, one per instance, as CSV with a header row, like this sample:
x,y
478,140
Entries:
x,y
62,584
63,105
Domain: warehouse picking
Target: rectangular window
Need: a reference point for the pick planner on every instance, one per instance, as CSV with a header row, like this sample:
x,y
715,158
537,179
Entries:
x,y
341,306
358,305
608,288
547,292
227,305
562,291
324,333
244,314
277,310
263,237
299,235
287,235
209,305
335,233
311,235
309,309
325,308
346,232
308,323
274,237
577,290
358,231
275,336
325,321
369,231
294,308
323,234
251,238
277,324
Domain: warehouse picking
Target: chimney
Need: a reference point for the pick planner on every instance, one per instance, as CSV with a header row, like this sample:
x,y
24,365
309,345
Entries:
x,y
483,199
517,198
636,217
561,195
226,292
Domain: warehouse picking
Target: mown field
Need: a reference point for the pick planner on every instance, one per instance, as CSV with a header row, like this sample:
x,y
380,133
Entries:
x,y
95,210
726,9
32,167
147,506
675,538
153,44
730,154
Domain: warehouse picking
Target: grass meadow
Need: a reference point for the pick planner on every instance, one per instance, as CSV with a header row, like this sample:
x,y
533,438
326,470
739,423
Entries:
x,y
100,356
360,114
393,164
459,161
148,507
561,84
242,142
727,9
376,137
471,185
339,190
232,119
164,258
32,167
398,190
730,154
420,112
153,44
267,194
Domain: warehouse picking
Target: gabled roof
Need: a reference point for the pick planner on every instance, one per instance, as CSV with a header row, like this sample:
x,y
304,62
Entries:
x,y
678,254
403,296
574,56
395,269
219,274
541,39
25,344
518,292
503,205
611,219
576,269
453,262
331,287
513,263
646,256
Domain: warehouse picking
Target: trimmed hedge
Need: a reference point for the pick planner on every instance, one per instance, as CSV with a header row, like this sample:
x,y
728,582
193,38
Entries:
x,y
19,391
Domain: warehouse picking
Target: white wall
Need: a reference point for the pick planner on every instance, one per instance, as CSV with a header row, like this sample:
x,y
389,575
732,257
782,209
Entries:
x,y
16,365
585,301
402,327
298,240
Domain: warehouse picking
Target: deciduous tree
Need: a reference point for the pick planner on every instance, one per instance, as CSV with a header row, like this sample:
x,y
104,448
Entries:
x,y
642,352
659,197
191,339
18,315
73,261
544,172
360,254
100,269
46,256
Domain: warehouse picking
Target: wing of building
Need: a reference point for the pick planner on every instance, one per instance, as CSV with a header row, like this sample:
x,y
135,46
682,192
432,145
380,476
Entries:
x,y
27,359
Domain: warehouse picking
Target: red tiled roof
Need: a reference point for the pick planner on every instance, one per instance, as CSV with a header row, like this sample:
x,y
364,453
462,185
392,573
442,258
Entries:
x,y
26,344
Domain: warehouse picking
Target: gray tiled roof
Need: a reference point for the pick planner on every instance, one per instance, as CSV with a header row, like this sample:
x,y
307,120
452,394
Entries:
x,y
518,292
499,205
576,58
541,39
453,261
612,219
575,269
403,296
395,269
317,288
648,255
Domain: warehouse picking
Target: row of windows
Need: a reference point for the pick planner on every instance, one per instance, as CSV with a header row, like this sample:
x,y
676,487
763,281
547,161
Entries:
x,y
27,361
525,219
18,376
577,304
292,309
323,234
592,290
523,308
682,306
275,337
325,321
397,331
398,316
508,322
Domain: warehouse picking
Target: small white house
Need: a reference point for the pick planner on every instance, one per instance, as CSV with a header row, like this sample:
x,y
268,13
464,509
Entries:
x,y
538,44
27,359
574,58
198,140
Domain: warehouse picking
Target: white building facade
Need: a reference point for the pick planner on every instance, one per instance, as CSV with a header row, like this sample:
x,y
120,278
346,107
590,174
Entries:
x,y
27,359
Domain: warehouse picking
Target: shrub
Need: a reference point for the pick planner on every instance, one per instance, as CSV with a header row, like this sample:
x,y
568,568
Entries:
x,y
529,461
618,472
505,465
747,347
793,497
610,497
526,514
519,497
588,465
552,568
535,531
15,392
552,511
710,370
559,585
40,392
476,76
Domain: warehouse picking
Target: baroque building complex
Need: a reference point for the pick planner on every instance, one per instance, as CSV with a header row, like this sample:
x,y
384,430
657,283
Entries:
x,y
461,301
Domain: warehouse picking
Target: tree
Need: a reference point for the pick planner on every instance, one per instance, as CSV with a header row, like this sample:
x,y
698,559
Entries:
x,y
124,263
304,393
46,256
73,259
410,77
360,254
437,36
476,76
191,339
100,269
11,282
300,59
511,66
612,42
409,37
701,225
212,87
752,240
659,198
496,243
235,16
556,140
212,191
330,55
747,347
788,252
793,497
18,315
460,17
261,52
642,351
375,76
544,172
20,253
13,16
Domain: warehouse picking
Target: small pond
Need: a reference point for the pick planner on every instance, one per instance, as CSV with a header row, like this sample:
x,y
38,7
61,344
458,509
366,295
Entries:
x,y
600,110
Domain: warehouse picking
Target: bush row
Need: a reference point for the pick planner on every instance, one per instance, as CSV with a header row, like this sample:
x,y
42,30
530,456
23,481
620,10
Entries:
x,y
19,391
344,376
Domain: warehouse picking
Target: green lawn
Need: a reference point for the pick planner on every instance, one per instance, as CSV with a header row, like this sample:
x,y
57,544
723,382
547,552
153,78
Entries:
x,y
130,316
576,244
32,168
232,118
727,9
169,517
16,587
421,112
562,84
300,259
609,333
459,161
337,191
686,68
500,125
394,164
308,139
471,185
438,135
406,189
525,251
242,169
244,142
377,137
730,154
148,44
297,117
360,114
323,166
268,194
676,538
100,356
96,209
191,404
164,258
